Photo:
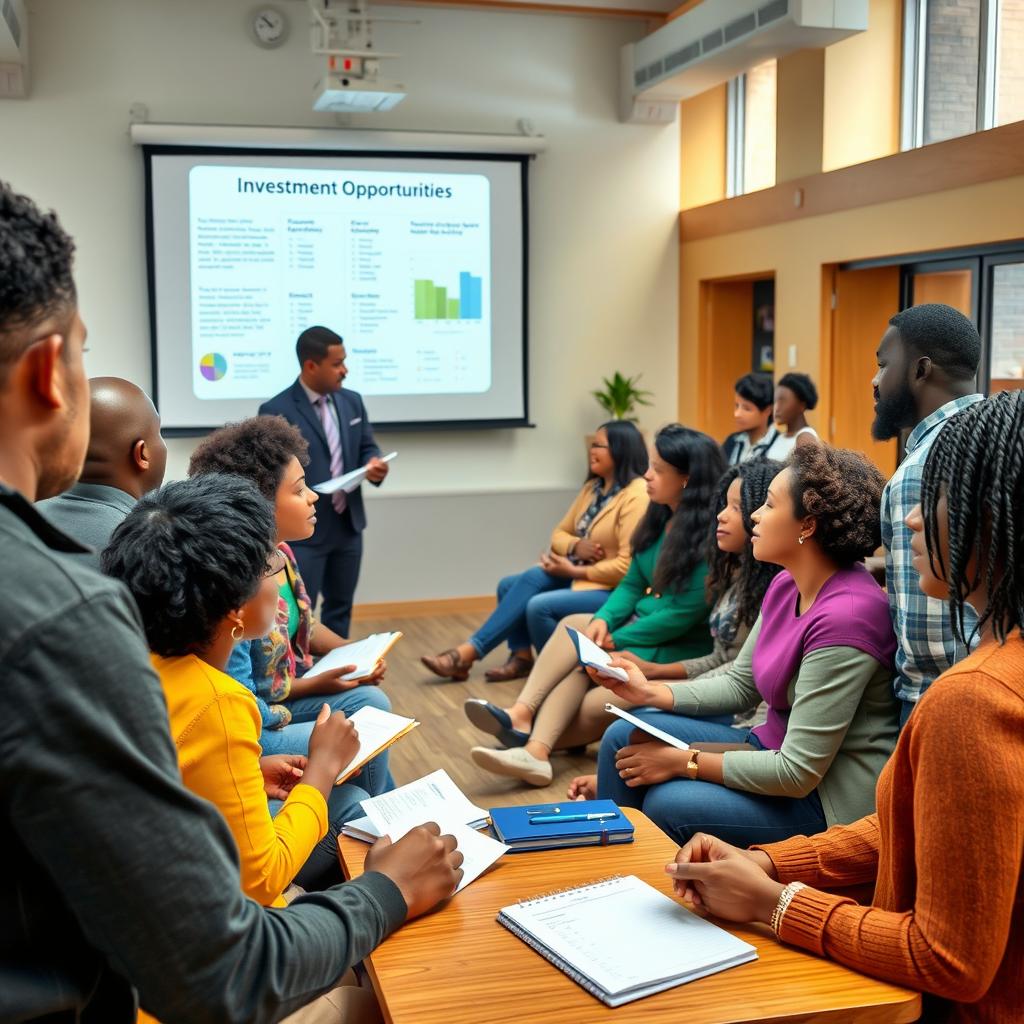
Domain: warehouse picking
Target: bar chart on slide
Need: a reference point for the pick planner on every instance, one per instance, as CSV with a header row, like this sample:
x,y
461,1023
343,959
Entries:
x,y
434,301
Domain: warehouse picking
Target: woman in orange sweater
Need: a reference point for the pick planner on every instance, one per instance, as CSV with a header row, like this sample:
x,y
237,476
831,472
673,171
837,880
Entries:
x,y
944,850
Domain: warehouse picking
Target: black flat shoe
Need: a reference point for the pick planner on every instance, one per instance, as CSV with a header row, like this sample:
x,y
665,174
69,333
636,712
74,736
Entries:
x,y
491,719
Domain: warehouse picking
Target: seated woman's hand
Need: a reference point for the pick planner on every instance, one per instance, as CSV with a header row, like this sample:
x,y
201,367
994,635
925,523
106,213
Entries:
x,y
598,631
331,681
587,550
647,761
280,774
333,743
734,884
374,677
636,690
583,787
651,669
556,565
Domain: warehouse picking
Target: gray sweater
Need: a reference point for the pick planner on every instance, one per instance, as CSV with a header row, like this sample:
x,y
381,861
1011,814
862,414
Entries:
x,y
121,882
842,728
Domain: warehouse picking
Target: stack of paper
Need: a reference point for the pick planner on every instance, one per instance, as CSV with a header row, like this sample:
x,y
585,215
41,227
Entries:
x,y
646,727
377,731
364,654
435,798
592,656
428,799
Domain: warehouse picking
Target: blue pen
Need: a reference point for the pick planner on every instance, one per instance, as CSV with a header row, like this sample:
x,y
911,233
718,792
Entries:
x,y
561,819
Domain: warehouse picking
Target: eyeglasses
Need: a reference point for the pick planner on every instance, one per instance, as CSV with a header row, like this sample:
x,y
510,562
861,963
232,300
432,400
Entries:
x,y
275,564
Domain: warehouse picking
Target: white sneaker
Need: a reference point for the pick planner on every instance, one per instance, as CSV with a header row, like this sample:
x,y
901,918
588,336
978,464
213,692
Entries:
x,y
516,763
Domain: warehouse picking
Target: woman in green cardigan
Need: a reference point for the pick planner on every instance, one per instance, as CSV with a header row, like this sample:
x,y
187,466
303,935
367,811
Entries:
x,y
659,611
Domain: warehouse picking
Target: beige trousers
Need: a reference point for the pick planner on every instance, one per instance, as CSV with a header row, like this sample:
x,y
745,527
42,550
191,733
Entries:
x,y
568,709
346,1003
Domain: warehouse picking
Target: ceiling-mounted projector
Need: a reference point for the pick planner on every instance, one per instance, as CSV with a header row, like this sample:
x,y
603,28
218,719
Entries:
x,y
341,92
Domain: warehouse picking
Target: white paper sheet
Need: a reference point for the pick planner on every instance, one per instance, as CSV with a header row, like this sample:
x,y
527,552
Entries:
x,y
348,482
364,654
423,800
376,728
647,727
596,657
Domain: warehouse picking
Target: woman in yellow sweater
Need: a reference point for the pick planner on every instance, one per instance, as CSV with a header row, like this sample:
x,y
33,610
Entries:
x,y
199,559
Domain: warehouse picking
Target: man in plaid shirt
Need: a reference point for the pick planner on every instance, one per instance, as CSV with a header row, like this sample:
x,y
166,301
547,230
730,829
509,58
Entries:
x,y
927,365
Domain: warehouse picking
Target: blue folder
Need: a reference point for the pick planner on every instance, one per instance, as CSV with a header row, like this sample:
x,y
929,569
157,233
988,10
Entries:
x,y
513,828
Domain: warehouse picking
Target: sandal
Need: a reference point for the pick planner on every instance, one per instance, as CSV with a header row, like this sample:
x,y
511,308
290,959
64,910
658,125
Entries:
x,y
448,665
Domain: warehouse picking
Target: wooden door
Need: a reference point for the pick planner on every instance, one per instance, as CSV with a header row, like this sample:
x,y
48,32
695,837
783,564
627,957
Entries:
x,y
726,347
951,287
864,302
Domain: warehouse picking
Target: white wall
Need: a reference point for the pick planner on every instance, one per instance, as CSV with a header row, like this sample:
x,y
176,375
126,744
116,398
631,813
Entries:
x,y
604,204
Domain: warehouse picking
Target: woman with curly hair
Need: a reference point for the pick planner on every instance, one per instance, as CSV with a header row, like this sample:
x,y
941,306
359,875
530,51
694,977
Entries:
x,y
659,610
943,854
279,668
820,654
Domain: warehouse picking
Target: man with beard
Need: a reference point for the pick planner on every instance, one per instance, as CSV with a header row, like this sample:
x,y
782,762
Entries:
x,y
927,366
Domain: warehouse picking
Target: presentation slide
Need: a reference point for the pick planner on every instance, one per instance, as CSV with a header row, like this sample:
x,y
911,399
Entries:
x,y
416,263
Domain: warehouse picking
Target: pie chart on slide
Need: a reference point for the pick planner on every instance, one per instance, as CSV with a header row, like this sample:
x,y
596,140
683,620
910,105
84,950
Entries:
x,y
213,366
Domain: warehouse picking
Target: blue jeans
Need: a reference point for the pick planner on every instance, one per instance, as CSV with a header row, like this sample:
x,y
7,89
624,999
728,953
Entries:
x,y
508,620
322,868
683,807
375,778
545,611
906,707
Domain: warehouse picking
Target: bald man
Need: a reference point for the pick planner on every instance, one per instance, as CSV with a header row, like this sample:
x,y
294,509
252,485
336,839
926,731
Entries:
x,y
125,460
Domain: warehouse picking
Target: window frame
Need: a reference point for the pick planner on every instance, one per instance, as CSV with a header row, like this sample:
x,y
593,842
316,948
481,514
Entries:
x,y
915,43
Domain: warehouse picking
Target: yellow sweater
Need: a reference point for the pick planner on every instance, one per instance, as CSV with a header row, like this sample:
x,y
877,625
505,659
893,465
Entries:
x,y
215,724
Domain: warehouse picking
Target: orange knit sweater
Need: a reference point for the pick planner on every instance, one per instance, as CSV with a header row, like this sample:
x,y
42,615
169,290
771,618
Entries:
x,y
945,850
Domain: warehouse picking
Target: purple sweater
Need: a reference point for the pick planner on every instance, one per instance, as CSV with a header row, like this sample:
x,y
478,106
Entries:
x,y
851,610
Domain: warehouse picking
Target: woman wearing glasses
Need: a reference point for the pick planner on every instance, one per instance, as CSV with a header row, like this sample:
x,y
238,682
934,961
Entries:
x,y
589,554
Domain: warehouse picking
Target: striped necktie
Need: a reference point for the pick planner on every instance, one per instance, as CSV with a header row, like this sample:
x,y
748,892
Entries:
x,y
330,424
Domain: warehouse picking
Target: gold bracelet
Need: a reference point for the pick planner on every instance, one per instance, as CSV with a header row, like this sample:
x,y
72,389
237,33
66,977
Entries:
x,y
785,898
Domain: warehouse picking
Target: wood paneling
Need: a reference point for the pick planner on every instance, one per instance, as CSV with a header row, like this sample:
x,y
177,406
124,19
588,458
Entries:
x,y
656,18
984,156
459,966
864,302
726,345
952,287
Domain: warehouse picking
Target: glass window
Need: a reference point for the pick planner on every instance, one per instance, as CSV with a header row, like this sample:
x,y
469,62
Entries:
x,y
759,127
1007,329
951,59
1010,62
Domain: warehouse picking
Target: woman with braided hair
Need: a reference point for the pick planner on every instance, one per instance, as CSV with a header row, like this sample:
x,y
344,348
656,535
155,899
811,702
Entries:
x,y
820,655
944,851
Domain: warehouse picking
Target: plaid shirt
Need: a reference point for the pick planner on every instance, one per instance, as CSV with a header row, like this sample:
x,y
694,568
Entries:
x,y
927,646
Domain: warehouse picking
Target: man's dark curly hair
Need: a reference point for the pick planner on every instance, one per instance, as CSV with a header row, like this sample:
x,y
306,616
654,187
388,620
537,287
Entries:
x,y
744,571
190,553
843,492
977,462
258,449
35,272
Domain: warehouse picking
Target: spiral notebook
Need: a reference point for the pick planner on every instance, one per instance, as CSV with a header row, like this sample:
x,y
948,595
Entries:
x,y
621,939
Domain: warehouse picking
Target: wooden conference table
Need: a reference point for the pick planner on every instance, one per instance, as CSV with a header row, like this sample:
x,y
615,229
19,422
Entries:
x,y
459,966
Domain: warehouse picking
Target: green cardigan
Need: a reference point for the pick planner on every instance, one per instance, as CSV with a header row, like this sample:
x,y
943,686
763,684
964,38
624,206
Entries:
x,y
664,627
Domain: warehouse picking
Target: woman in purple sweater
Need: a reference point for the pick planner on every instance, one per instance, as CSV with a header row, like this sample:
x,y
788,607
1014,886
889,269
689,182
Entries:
x,y
820,655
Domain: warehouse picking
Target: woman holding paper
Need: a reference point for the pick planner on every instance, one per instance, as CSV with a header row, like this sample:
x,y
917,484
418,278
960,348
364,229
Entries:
x,y
659,611
821,656
278,667
588,556
943,854
198,558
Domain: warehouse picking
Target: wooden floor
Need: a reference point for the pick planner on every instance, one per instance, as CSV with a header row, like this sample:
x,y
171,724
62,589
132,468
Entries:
x,y
445,735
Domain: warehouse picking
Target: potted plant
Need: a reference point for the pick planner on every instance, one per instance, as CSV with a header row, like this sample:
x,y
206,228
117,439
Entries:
x,y
620,396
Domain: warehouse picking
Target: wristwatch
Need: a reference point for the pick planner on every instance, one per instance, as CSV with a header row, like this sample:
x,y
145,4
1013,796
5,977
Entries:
x,y
692,768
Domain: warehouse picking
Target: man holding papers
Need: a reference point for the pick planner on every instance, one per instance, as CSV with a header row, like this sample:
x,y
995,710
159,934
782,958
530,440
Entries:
x,y
335,424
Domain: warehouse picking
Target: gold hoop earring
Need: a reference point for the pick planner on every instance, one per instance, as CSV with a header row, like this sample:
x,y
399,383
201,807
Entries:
x,y
238,629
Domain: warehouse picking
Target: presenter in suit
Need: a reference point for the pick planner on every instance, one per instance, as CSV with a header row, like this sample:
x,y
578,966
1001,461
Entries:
x,y
335,424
